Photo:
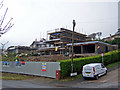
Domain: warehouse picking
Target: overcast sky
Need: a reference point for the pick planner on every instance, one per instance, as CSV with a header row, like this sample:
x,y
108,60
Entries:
x,y
33,18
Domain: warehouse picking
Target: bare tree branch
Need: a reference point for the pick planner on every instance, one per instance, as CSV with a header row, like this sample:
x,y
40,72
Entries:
x,y
1,4
8,26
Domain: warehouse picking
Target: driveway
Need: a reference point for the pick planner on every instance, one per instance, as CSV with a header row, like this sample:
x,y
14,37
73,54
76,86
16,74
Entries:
x,y
108,81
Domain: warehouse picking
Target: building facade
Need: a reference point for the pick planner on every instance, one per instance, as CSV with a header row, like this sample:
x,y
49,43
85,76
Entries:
x,y
20,49
91,47
58,40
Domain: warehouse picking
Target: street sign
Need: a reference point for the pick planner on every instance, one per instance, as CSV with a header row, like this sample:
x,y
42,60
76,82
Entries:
x,y
73,74
43,66
102,54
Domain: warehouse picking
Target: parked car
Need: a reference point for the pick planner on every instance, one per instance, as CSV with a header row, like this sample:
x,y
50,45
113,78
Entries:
x,y
93,70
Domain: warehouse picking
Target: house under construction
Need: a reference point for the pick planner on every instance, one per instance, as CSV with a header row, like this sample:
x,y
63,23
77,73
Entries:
x,y
58,40
59,43
91,48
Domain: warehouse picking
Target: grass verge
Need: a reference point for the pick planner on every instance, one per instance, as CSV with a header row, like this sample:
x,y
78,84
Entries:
x,y
10,76
113,64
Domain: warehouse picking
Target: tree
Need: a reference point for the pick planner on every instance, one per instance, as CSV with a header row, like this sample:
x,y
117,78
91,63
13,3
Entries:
x,y
99,34
93,35
8,25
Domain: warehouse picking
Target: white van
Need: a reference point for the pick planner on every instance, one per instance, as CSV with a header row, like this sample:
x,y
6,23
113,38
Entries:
x,y
93,70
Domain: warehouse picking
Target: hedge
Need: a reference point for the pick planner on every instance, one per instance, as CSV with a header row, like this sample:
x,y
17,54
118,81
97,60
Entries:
x,y
65,65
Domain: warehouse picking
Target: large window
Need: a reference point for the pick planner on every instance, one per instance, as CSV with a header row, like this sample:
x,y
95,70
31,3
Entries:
x,y
77,49
89,48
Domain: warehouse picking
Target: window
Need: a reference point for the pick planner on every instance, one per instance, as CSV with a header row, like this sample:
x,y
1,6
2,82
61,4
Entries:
x,y
102,66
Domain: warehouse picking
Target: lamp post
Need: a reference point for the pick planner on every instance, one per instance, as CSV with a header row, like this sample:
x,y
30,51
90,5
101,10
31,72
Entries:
x,y
72,46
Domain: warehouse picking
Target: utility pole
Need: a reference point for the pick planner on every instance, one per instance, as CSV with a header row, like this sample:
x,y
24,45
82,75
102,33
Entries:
x,y
72,46
102,54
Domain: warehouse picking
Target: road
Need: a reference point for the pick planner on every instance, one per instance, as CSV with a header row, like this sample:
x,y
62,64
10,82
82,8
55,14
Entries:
x,y
108,81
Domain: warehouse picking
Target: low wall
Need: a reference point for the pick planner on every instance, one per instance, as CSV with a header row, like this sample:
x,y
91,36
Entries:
x,y
46,69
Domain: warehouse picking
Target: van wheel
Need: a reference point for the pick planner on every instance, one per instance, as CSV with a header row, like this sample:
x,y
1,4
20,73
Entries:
x,y
84,78
96,77
106,72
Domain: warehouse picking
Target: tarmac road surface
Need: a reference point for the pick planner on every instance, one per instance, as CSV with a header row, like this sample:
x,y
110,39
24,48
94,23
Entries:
x,y
22,84
108,81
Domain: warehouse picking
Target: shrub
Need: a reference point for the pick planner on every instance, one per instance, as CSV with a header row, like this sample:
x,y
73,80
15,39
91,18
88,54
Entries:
x,y
9,57
65,65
